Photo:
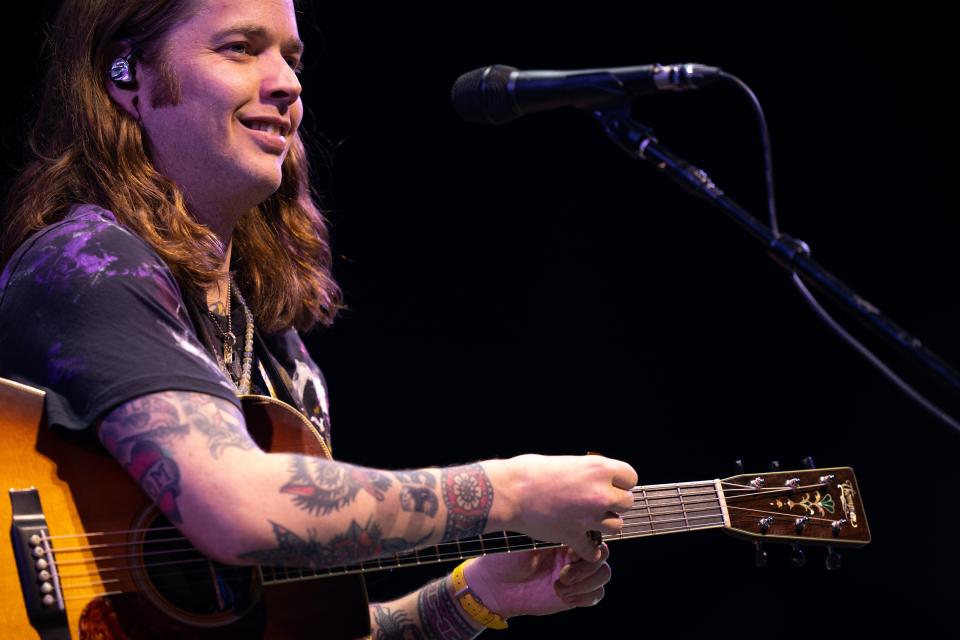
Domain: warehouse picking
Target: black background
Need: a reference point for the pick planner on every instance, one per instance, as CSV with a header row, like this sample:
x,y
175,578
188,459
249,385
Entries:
x,y
529,288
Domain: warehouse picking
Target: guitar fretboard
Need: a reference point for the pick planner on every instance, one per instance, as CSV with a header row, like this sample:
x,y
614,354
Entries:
x,y
657,509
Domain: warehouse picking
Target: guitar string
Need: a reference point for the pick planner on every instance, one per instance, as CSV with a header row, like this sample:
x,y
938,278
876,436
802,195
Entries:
x,y
368,566
654,520
634,513
637,509
653,527
636,490
493,538
411,559
433,554
492,542
775,513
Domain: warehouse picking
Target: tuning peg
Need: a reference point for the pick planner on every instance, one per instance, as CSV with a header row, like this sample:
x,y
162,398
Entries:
x,y
765,523
837,526
738,465
774,465
833,559
759,555
808,463
798,558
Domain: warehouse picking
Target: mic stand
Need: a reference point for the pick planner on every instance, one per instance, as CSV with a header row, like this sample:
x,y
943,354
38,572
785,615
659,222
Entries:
x,y
638,141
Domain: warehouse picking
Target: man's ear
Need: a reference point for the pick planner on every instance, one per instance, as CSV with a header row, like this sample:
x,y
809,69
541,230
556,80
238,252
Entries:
x,y
121,79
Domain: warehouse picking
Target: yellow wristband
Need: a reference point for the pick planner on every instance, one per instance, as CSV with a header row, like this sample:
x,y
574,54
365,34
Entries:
x,y
472,604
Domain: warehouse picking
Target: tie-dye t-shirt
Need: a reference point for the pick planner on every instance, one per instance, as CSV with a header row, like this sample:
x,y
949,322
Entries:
x,y
93,316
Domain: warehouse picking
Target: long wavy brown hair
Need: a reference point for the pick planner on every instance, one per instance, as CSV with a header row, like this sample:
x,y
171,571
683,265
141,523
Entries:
x,y
83,148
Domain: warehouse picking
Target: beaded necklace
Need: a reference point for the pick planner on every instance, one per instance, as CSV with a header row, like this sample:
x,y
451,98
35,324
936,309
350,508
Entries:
x,y
229,340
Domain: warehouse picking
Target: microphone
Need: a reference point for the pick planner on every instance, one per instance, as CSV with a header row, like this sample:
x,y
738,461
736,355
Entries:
x,y
499,94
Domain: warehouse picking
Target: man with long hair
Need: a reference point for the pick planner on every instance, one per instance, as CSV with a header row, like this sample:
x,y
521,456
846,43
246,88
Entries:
x,y
161,250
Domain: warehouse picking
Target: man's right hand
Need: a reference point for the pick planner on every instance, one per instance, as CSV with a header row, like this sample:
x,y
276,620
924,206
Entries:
x,y
561,498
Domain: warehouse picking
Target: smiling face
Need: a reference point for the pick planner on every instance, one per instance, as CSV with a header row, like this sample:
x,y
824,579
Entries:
x,y
225,140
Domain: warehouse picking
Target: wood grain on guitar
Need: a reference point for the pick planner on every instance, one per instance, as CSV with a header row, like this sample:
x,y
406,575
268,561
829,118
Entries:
x,y
121,571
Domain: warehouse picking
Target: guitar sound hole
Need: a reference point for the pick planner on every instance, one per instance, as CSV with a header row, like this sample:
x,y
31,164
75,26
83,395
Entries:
x,y
195,589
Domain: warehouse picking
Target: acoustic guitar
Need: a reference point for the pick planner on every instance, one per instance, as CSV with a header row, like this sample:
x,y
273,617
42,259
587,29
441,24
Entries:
x,y
89,556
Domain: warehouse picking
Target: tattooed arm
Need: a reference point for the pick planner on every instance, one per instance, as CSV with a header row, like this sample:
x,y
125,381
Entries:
x,y
430,613
538,582
192,455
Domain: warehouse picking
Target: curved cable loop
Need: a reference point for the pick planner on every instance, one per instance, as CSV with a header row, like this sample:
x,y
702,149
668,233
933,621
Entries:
x,y
805,293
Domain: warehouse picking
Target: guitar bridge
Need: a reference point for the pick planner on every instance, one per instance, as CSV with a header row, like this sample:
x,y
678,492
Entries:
x,y
36,565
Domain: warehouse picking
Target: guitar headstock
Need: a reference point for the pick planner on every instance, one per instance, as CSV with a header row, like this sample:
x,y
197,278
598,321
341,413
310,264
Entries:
x,y
813,506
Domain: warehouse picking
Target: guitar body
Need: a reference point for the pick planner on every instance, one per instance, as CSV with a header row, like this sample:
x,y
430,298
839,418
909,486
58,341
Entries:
x,y
84,492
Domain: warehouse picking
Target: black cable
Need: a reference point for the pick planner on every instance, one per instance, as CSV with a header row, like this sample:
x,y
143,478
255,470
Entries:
x,y
805,293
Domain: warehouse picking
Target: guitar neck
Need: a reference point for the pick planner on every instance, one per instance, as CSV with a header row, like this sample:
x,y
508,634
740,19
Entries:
x,y
657,510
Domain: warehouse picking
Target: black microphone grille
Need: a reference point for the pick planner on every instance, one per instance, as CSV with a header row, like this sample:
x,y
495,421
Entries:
x,y
481,95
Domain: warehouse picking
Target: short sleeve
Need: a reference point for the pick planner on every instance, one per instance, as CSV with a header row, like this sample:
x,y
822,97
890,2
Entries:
x,y
92,315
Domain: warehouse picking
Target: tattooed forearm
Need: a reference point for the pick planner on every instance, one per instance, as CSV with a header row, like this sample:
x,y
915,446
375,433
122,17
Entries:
x,y
320,486
468,495
442,617
421,498
394,625
357,543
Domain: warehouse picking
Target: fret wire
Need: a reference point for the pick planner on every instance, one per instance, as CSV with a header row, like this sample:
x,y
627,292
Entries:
x,y
647,502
